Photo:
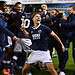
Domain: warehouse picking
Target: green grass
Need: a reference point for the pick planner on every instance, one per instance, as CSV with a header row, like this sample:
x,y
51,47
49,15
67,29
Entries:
x,y
70,66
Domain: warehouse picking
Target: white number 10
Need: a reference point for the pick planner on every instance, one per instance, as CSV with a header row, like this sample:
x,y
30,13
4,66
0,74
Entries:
x,y
25,23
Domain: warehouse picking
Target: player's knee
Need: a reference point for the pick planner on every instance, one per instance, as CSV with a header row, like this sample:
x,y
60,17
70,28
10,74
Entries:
x,y
51,69
25,69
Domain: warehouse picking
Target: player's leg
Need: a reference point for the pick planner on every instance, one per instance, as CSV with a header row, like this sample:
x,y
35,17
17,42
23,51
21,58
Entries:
x,y
26,69
30,60
63,57
51,68
46,58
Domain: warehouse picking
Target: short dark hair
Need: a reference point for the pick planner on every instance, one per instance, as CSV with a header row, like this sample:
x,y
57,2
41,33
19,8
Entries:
x,y
17,3
56,10
2,4
73,7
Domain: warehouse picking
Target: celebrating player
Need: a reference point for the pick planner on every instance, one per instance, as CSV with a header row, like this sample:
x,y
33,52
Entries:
x,y
39,35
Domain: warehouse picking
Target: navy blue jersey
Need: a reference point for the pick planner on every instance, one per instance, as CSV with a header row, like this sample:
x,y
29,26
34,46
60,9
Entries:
x,y
16,20
40,37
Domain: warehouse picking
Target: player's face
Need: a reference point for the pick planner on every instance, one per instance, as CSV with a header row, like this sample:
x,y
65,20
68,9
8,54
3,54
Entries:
x,y
37,19
53,13
7,9
18,7
73,10
44,7
70,10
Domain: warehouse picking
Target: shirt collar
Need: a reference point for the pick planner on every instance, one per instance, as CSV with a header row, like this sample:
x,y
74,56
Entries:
x,y
36,27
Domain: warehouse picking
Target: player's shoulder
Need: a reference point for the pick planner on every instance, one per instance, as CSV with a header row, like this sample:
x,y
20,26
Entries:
x,y
13,12
44,26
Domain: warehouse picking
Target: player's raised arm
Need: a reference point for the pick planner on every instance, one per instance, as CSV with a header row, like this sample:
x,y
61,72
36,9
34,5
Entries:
x,y
58,40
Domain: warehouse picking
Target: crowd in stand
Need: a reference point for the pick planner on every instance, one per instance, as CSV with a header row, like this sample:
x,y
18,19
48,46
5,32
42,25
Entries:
x,y
57,27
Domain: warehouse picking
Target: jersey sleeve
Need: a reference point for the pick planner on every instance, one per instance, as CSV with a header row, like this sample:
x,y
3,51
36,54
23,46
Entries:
x,y
48,30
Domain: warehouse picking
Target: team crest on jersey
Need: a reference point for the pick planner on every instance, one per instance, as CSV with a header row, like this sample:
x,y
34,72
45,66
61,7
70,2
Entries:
x,y
39,31
31,32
